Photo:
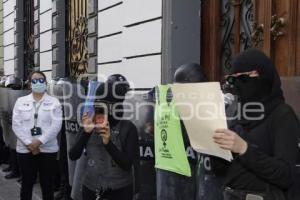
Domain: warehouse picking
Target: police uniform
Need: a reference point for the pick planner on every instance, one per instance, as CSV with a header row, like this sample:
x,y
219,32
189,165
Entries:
x,y
46,115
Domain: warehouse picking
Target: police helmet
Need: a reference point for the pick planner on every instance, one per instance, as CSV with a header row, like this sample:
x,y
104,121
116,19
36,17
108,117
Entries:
x,y
2,81
189,73
114,89
13,82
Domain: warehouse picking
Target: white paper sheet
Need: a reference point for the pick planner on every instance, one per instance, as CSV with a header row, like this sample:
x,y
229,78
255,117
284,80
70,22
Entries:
x,y
201,108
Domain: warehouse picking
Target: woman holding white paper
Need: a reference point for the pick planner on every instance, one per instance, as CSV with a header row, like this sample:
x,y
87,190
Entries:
x,y
265,151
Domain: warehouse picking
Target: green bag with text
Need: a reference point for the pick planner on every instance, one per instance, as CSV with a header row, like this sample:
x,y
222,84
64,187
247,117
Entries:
x,y
170,152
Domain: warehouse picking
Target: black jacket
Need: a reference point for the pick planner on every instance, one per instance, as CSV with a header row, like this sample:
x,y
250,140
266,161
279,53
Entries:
x,y
269,161
129,140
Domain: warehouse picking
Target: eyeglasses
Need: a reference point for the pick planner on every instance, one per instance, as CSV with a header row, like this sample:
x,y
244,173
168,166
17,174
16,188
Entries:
x,y
35,80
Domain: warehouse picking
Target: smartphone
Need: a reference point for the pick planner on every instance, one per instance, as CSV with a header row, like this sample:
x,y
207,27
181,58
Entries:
x,y
101,119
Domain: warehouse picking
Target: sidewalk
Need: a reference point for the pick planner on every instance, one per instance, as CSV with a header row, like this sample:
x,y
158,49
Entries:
x,y
10,189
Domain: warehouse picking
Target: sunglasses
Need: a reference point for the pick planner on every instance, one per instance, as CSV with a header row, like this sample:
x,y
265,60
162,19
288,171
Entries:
x,y
35,80
243,78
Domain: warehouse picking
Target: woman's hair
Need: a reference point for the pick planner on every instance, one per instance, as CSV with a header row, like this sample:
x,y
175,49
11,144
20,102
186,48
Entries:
x,y
35,72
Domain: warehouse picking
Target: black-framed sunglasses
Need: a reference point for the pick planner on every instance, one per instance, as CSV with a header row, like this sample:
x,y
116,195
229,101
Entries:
x,y
243,77
35,80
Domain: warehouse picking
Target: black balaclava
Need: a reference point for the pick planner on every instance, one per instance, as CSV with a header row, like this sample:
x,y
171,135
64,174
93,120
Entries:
x,y
266,88
112,93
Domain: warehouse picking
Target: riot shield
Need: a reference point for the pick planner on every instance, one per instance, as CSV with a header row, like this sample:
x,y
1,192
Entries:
x,y
208,186
3,99
156,184
139,109
13,95
170,185
4,113
56,90
72,100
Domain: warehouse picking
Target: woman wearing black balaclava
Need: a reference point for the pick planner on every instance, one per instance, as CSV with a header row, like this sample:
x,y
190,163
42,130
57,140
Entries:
x,y
265,152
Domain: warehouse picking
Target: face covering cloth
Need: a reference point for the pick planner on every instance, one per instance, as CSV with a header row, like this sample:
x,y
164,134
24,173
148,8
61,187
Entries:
x,y
39,87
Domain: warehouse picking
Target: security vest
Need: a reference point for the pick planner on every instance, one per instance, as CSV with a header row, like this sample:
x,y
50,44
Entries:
x,y
170,153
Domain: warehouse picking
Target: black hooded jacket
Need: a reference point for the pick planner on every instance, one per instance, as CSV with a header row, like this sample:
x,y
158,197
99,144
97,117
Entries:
x,y
269,161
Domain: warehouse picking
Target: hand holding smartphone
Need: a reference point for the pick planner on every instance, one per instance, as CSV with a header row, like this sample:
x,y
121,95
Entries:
x,y
102,127
88,124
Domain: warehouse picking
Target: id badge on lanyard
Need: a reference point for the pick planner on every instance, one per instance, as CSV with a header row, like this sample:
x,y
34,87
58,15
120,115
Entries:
x,y
36,131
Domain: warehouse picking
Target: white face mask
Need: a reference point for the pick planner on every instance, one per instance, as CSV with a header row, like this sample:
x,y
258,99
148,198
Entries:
x,y
38,87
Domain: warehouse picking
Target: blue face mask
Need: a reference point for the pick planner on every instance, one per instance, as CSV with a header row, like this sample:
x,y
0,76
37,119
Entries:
x,y
38,87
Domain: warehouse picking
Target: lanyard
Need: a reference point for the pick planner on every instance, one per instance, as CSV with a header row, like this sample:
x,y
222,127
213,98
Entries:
x,y
36,112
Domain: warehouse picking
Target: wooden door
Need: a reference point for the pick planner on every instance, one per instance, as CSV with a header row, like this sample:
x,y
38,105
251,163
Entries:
x,y
231,26
281,33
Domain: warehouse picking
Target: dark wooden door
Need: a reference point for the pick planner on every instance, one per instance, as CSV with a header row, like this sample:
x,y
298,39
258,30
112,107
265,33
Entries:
x,y
231,26
281,33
